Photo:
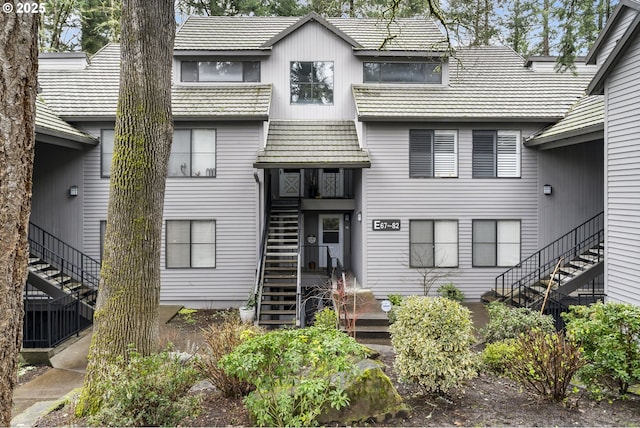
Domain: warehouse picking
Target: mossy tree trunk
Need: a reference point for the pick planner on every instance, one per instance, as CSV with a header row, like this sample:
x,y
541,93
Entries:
x,y
129,292
18,68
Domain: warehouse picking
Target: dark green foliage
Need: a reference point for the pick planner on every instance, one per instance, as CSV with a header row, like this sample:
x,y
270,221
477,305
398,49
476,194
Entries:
x,y
545,363
506,322
450,291
295,373
146,391
610,336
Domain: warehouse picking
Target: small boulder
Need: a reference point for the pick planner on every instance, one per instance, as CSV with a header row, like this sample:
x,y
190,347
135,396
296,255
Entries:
x,y
372,396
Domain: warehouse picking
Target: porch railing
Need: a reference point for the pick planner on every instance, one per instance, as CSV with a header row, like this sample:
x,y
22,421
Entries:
x,y
49,321
311,258
67,259
540,265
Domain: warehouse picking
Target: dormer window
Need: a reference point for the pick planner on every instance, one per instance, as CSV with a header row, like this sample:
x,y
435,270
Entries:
x,y
312,82
403,72
220,71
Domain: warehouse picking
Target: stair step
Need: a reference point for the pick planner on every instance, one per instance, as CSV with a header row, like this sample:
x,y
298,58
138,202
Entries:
x,y
278,312
277,322
283,241
282,247
279,293
282,268
280,276
280,285
282,254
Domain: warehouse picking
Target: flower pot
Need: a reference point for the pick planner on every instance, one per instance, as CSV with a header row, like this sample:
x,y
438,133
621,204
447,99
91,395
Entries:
x,y
247,315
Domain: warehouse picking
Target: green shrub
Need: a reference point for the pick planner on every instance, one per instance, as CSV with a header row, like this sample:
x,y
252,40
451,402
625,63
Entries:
x,y
326,318
221,339
450,291
147,391
497,355
610,336
294,372
506,322
545,363
396,300
432,338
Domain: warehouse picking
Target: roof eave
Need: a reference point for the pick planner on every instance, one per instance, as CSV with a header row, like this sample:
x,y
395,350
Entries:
x,y
181,53
577,136
591,55
596,87
397,53
319,164
64,139
450,118
310,17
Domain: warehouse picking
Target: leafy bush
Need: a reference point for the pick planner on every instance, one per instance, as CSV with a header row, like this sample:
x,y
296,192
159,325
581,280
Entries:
x,y
545,363
610,336
220,340
147,391
450,291
432,338
497,355
326,318
294,372
396,300
507,322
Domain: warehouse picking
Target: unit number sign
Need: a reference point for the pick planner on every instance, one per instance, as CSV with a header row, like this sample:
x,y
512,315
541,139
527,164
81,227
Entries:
x,y
386,225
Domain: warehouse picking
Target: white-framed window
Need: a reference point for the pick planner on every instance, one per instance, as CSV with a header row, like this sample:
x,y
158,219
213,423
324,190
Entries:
x,y
193,153
220,71
402,72
311,82
496,243
190,244
433,153
433,243
496,154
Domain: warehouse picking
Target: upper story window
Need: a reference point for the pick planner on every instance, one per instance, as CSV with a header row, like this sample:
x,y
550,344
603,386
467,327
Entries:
x,y
402,72
193,153
496,154
311,82
220,71
433,153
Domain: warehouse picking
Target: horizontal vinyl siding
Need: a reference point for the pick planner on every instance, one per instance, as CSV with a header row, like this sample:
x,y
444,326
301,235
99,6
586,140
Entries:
x,y
230,199
623,179
391,194
312,42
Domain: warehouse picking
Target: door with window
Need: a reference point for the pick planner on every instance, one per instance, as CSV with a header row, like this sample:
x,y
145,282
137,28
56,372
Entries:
x,y
289,183
331,234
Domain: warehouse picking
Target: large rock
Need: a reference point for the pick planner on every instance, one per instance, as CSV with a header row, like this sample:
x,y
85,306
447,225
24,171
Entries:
x,y
372,396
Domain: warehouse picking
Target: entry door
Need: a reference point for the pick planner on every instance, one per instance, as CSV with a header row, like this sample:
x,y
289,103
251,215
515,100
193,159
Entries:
x,y
289,183
331,231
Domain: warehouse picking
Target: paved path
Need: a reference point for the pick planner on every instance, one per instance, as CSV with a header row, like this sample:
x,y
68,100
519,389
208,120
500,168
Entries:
x,y
35,398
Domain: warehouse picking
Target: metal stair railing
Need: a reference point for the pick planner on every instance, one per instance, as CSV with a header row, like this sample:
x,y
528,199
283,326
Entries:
x,y
62,256
538,266
262,256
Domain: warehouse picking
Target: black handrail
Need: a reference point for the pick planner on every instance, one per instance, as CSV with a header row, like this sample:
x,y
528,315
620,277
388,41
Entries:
x,y
67,259
541,264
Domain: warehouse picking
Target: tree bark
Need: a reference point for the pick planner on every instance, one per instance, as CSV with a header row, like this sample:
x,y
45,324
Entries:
x,y
18,84
129,293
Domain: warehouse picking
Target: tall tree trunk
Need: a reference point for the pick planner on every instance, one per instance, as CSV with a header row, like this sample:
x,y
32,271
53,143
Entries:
x,y
129,292
18,68
546,35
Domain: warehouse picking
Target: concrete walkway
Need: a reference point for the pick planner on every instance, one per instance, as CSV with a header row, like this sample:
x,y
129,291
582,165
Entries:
x,y
37,397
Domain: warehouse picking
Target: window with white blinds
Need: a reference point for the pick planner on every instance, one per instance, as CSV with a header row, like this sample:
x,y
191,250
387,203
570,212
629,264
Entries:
x,y
433,243
433,153
496,154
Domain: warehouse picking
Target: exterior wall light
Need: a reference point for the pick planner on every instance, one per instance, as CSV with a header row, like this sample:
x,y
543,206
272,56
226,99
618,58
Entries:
x,y
359,216
547,189
73,190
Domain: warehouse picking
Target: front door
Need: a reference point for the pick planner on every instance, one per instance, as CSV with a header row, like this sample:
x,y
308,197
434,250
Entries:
x,y
289,183
331,231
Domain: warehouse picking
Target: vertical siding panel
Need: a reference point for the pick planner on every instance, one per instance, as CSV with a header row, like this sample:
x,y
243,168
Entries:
x,y
623,179
391,194
312,42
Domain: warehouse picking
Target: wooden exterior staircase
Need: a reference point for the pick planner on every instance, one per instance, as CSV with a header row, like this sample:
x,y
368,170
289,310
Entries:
x,y
278,298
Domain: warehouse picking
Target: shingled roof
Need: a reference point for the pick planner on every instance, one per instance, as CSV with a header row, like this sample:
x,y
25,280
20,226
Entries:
x,y
51,129
93,93
237,33
300,144
583,122
484,83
